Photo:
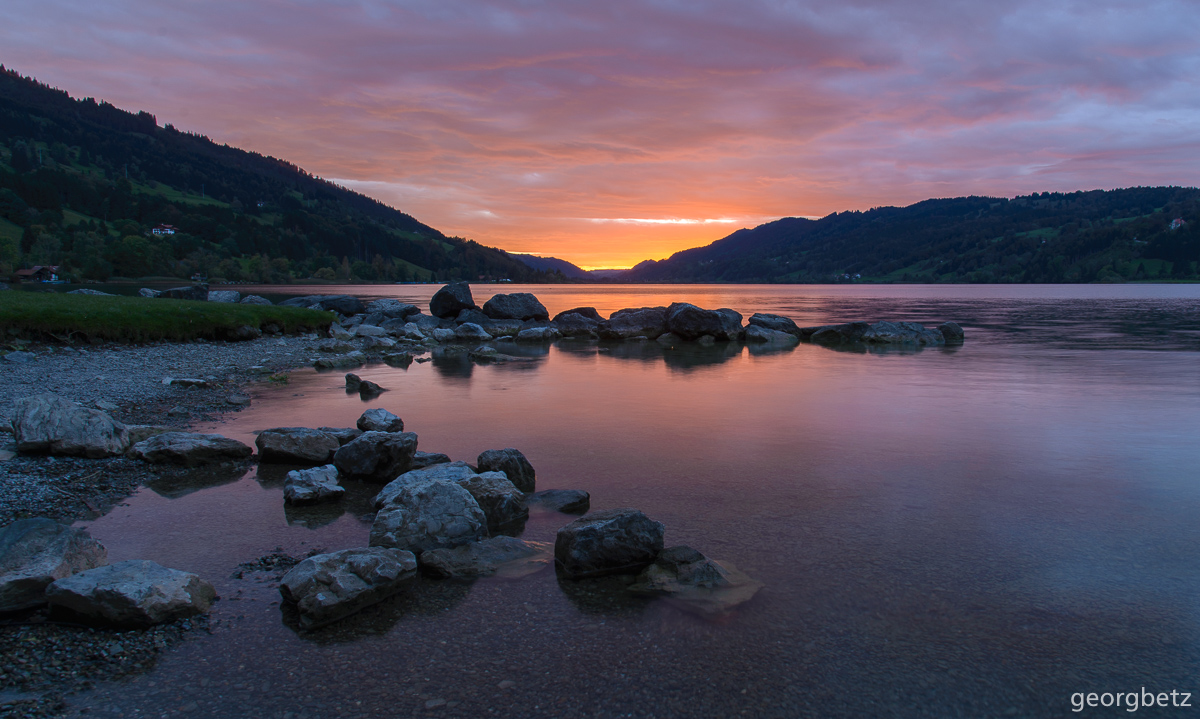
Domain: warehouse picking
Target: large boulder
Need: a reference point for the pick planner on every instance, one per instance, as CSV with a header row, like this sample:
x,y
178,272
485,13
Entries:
x,y
779,323
378,419
198,293
567,501
441,472
614,541
694,582
429,515
296,445
505,557
502,503
691,322
35,552
763,335
572,324
132,594
515,306
190,449
342,434
587,312
836,334
365,330
422,460
475,316
329,587
648,322
224,296
514,465
49,423
377,456
343,305
312,486
451,299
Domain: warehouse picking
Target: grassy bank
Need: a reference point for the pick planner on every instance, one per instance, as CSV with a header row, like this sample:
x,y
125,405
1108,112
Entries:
x,y
90,318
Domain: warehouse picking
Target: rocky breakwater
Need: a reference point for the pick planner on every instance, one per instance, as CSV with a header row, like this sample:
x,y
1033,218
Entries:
x,y
883,333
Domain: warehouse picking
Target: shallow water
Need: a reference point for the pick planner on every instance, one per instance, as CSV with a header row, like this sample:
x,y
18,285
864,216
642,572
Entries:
x,y
972,531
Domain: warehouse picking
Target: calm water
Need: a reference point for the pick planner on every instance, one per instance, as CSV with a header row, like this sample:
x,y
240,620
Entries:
x,y
979,531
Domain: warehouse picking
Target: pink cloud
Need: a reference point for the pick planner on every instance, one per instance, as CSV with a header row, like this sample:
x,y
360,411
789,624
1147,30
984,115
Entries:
x,y
517,124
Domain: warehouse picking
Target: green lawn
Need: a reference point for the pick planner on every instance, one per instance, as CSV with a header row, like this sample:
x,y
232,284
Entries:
x,y
140,319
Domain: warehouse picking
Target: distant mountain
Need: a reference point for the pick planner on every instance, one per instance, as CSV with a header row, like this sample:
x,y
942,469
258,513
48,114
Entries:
x,y
101,192
552,264
1139,233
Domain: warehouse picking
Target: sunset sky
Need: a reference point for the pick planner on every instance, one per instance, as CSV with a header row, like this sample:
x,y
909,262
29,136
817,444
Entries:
x,y
610,132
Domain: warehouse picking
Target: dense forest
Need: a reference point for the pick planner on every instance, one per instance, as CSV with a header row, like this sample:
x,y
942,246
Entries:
x,y
83,184
1141,233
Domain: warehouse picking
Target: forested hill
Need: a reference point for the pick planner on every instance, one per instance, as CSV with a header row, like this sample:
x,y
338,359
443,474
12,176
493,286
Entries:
x,y
1096,236
83,184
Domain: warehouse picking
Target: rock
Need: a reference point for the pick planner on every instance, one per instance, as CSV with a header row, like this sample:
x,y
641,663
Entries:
x,y
35,552
295,445
441,472
51,424
338,332
695,582
568,501
502,328
140,432
649,322
198,293
538,334
760,334
254,300
836,334
224,296
353,382
369,390
238,400
378,419
586,312
394,309
346,361
334,346
244,333
147,292
132,594
691,322
343,305
952,332
483,353
910,333
398,359
406,330
426,323
514,465
342,434
329,587
576,325
3,286
471,332
377,456
378,344
429,515
369,331
94,293
506,557
778,323
310,486
351,322
421,460
442,334
20,357
106,406
375,318
502,503
186,382
614,541
515,306
190,449
474,316
451,299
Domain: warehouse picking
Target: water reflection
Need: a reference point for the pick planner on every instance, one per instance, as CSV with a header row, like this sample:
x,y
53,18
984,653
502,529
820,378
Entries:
x,y
421,598
173,483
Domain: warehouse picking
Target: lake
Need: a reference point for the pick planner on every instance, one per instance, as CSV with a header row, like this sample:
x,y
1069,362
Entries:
x,y
982,530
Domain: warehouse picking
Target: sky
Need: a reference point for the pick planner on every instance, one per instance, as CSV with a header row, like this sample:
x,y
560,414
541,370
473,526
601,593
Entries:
x,y
609,132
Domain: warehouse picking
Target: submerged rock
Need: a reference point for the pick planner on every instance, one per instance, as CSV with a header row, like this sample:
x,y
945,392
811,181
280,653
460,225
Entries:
x,y
514,465
429,515
614,541
190,449
296,445
48,423
329,587
312,486
568,501
695,582
35,552
378,419
132,594
505,557
377,456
